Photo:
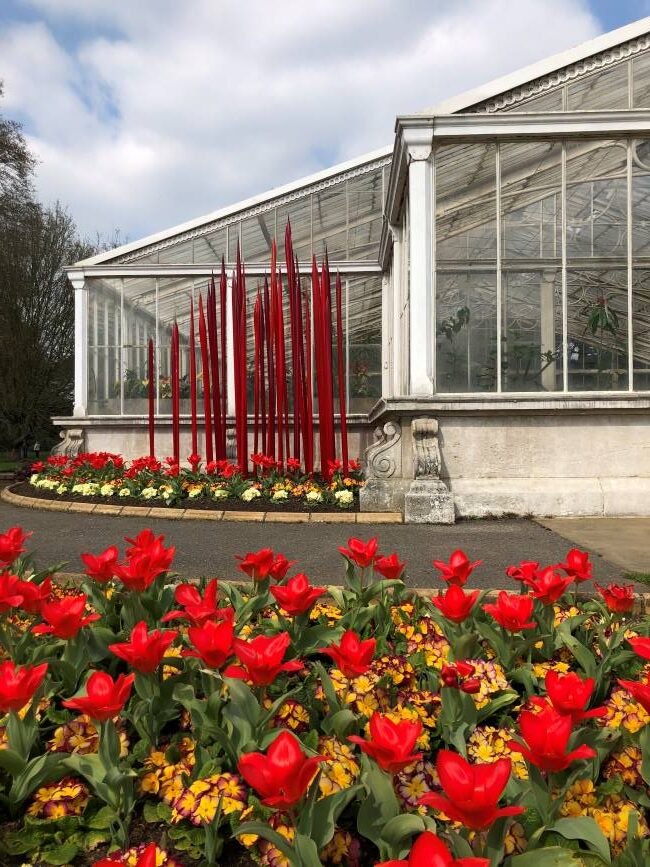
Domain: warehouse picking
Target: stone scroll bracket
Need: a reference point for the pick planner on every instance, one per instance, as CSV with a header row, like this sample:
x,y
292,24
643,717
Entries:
x,y
428,500
72,442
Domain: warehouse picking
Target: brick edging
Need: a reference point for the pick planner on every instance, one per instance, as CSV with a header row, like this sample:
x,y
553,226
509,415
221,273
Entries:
x,y
10,496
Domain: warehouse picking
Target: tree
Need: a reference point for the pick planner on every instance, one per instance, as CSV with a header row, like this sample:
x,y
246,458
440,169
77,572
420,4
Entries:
x,y
36,302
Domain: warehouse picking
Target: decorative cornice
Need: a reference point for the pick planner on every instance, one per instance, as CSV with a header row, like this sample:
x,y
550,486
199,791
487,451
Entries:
x,y
561,76
262,208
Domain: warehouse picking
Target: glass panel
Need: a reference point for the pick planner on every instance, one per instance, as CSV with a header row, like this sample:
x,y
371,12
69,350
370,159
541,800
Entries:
x,y
298,213
329,218
641,320
466,202
596,200
364,216
103,380
531,192
641,76
597,329
233,240
607,89
532,330
139,324
363,325
363,240
178,254
210,247
257,235
641,198
466,328
550,101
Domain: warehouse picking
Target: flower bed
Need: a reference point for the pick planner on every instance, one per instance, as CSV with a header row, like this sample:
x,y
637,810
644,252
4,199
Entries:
x,y
101,477
150,722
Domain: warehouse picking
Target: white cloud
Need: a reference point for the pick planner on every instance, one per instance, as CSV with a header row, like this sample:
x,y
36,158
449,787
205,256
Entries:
x,y
162,111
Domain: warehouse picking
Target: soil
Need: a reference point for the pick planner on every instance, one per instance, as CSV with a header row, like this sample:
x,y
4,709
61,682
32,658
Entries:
x,y
202,504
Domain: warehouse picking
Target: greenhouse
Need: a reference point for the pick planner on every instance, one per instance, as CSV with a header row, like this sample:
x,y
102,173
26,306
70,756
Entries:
x,y
495,273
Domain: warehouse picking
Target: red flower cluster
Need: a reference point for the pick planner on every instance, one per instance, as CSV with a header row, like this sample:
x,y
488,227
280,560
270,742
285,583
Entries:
x,y
104,697
199,609
283,775
147,558
16,593
352,656
262,659
458,675
64,617
145,650
263,564
619,598
458,569
546,733
455,604
18,685
391,743
512,611
430,851
471,792
297,596
12,545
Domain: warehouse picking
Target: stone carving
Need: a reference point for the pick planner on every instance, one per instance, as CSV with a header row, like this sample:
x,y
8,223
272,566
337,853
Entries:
x,y
426,451
231,444
72,442
384,457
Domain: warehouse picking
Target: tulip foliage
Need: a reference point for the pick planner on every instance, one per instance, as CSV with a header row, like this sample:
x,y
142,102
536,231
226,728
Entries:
x,y
362,724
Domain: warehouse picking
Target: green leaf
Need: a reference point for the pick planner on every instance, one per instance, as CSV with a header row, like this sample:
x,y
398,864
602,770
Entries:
x,y
60,855
380,805
401,828
306,852
104,818
585,829
11,762
552,856
261,829
36,772
326,813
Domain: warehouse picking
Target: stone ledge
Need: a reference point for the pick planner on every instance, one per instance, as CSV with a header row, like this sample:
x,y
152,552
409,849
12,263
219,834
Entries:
x,y
199,515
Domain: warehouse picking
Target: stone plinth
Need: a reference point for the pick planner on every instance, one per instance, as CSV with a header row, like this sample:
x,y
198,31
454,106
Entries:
x,y
428,501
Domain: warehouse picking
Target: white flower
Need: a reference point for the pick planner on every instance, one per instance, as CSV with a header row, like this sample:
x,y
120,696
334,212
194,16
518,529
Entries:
x,y
33,479
314,497
220,494
62,489
124,492
149,493
107,490
279,497
344,498
250,494
195,492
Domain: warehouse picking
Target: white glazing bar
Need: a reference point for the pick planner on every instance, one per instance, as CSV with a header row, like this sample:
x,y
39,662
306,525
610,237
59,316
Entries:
x,y
80,347
434,326
230,353
565,317
157,355
498,275
630,273
122,354
396,289
419,313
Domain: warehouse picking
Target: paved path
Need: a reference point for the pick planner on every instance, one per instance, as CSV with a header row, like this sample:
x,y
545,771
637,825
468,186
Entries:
x,y
623,541
209,548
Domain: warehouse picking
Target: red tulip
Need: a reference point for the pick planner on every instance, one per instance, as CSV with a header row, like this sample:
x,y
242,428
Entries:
x,y
101,568
389,567
391,743
619,598
570,695
213,642
11,592
12,544
145,564
280,567
455,604
297,596
64,617
283,775
361,553
257,565
639,691
549,585
34,595
641,646
262,659
459,676
145,650
430,851
147,859
18,685
512,611
472,791
458,569
104,697
526,572
546,735
578,565
352,656
196,608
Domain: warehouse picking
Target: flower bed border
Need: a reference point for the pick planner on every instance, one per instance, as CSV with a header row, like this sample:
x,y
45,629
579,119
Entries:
x,y
176,514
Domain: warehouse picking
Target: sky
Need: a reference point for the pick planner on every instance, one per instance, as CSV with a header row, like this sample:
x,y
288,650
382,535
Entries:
x,y
146,113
